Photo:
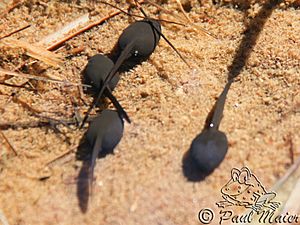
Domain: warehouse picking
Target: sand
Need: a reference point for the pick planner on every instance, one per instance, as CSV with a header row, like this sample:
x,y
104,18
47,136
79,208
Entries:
x,y
144,182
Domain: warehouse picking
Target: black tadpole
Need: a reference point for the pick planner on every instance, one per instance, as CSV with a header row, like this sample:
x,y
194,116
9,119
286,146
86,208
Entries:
x,y
145,34
96,71
209,148
95,74
136,43
103,135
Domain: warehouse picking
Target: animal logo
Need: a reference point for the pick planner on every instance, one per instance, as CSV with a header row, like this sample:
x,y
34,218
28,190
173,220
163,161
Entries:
x,y
244,189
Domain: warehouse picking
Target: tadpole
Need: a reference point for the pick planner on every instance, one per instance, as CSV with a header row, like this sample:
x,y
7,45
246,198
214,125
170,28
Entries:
x,y
209,148
103,135
136,42
95,73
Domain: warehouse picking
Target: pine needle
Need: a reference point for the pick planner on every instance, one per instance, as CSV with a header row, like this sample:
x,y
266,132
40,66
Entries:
x,y
35,51
34,77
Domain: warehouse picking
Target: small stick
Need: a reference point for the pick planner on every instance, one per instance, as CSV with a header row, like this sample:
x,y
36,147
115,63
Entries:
x,y
10,8
3,219
29,76
60,33
36,112
25,105
288,140
15,31
60,42
183,12
138,16
8,143
293,168
6,126
162,35
61,156
291,149
35,51
45,121
179,17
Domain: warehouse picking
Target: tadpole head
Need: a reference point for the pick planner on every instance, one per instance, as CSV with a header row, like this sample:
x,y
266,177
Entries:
x,y
96,71
103,135
145,34
208,149
156,25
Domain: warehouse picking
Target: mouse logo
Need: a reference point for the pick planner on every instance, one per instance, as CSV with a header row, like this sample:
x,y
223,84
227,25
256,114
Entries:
x,y
244,189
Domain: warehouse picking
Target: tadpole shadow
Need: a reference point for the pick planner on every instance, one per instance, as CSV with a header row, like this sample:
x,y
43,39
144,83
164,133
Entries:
x,y
83,188
243,6
84,154
251,34
189,166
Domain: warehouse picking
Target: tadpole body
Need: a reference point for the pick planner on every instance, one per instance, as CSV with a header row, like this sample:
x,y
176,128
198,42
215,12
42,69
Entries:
x,y
144,34
136,42
209,148
95,74
103,135
97,70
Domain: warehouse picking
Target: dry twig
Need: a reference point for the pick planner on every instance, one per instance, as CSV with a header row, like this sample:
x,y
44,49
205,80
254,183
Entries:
x,y
29,76
10,8
62,32
8,143
183,12
60,157
35,51
60,42
45,121
25,105
15,31
195,27
3,219
287,175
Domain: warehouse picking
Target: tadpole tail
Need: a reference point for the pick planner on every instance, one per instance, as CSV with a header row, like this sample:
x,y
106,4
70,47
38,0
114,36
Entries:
x,y
116,103
123,56
96,150
173,47
219,107
138,16
87,114
161,34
